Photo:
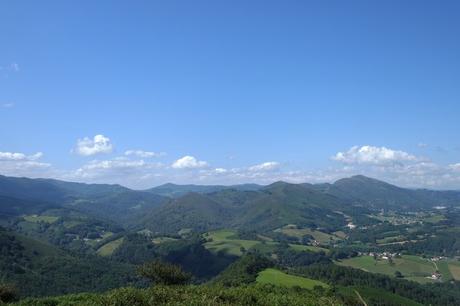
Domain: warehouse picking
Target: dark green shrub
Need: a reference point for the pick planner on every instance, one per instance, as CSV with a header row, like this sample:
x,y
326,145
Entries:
x,y
164,273
8,293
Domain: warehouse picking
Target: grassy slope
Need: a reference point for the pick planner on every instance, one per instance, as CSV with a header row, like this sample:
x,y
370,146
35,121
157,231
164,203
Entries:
x,y
321,237
191,296
412,267
279,278
42,218
454,269
373,296
225,240
443,267
108,248
38,268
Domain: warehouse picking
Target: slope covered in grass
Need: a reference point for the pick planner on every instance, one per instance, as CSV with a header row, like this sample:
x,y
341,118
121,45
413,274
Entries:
x,y
411,267
192,295
279,278
38,269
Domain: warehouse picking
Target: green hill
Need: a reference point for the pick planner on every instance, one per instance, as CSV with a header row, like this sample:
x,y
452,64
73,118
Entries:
x,y
37,268
193,295
111,202
377,194
174,190
279,278
267,209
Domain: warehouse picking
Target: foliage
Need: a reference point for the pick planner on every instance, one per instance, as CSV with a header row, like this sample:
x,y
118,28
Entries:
x,y
429,294
257,295
8,293
279,278
244,270
40,269
195,258
164,273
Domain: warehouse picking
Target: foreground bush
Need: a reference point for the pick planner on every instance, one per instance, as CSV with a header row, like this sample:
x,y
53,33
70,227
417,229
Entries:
x,y
191,296
163,273
8,293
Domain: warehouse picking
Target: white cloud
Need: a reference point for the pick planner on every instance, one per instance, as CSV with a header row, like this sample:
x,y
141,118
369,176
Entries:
x,y
8,105
97,168
220,170
9,156
267,166
20,164
118,170
14,67
99,144
422,145
144,154
374,156
455,167
189,162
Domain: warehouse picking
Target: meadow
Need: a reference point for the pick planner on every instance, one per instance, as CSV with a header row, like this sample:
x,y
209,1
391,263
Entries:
x,y
37,218
321,237
412,267
226,241
108,248
279,278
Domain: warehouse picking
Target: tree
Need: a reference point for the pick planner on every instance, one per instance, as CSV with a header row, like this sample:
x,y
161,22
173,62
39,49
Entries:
x,y
398,274
164,273
8,293
390,261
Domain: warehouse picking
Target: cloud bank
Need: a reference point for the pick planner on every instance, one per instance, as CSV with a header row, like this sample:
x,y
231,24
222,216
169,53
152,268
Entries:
x,y
139,168
374,156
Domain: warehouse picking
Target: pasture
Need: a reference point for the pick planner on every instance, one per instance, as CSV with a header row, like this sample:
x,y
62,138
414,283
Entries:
x,y
455,271
294,231
412,267
368,295
226,241
37,218
160,240
279,278
108,248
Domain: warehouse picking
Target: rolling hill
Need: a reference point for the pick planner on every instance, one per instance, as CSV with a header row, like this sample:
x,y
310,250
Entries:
x,y
369,192
39,268
174,190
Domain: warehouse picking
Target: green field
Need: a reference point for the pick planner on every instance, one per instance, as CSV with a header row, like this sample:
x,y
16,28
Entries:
x,y
71,223
454,269
300,247
412,267
108,248
37,218
227,242
391,239
321,237
223,240
434,219
160,240
278,278
383,297
106,235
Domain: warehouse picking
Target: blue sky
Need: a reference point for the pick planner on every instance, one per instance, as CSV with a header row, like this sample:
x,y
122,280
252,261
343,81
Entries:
x,y
246,91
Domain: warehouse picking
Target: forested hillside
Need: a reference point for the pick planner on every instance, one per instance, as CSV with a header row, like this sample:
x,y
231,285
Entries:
x,y
356,239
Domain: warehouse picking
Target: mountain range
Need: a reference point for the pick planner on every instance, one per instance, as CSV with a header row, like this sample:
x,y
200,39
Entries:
x,y
170,208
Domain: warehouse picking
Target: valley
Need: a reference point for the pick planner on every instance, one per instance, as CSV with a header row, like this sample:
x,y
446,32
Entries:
x,y
284,235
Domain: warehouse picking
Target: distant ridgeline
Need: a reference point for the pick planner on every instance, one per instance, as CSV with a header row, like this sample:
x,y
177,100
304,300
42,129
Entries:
x,y
323,244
